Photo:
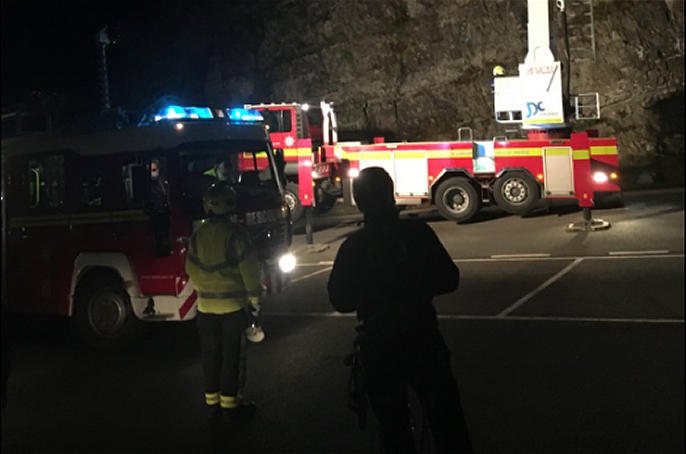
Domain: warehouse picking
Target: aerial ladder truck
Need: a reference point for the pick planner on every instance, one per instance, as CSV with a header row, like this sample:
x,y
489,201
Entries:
x,y
459,177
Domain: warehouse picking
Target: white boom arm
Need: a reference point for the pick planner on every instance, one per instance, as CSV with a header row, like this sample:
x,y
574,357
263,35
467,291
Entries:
x,y
534,98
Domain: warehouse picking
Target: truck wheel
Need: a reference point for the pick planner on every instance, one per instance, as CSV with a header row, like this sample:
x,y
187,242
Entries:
x,y
293,201
457,200
103,313
516,192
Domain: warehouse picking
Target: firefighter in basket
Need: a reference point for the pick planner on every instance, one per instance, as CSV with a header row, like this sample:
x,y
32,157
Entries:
x,y
223,266
223,170
388,273
498,71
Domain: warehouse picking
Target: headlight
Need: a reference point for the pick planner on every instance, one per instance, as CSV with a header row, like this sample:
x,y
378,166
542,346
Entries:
x,y
600,177
287,263
353,173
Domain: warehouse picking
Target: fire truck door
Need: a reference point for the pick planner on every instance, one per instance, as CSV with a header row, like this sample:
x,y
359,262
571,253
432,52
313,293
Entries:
x,y
411,171
559,171
39,239
383,159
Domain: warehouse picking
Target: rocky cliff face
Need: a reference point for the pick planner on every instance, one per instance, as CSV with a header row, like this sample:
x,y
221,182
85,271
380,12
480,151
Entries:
x,y
420,69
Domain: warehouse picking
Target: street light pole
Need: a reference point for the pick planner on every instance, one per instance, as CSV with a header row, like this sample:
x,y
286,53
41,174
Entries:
x,y
102,40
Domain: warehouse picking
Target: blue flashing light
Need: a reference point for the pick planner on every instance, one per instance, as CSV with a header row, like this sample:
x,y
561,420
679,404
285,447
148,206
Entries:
x,y
240,114
184,113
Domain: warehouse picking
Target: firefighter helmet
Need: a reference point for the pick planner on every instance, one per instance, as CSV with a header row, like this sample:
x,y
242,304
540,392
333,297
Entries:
x,y
373,189
219,199
498,71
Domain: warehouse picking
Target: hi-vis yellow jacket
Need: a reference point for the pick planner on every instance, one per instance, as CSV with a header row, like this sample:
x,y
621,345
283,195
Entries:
x,y
222,264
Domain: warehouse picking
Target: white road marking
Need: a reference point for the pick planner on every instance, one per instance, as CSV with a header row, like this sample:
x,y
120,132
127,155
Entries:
x,y
532,258
638,252
519,256
309,314
307,276
530,295
563,319
497,318
619,257
504,314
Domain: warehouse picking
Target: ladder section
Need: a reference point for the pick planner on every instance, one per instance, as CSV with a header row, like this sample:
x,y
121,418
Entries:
x,y
581,30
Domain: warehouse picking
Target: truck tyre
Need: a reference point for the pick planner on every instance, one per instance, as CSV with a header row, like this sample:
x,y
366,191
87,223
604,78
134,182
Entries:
x,y
457,200
103,312
516,192
293,201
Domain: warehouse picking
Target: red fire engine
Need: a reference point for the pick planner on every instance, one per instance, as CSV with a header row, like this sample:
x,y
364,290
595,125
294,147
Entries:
x,y
459,177
96,225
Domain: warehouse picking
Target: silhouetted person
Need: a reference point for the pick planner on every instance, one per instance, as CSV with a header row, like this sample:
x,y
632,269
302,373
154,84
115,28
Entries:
x,y
158,210
158,194
389,272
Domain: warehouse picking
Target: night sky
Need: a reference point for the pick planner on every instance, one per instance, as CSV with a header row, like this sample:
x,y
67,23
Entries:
x,y
51,46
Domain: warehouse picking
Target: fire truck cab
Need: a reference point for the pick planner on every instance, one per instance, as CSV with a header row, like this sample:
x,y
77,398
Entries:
x,y
298,132
95,225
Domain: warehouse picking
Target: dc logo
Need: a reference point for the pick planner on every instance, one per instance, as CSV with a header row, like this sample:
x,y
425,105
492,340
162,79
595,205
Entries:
x,y
534,108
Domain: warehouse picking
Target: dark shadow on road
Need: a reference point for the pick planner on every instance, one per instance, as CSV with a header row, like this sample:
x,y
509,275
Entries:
x,y
161,341
42,331
485,216
654,214
557,210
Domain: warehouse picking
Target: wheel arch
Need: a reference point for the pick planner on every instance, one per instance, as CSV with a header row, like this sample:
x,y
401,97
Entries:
x,y
88,265
450,173
510,170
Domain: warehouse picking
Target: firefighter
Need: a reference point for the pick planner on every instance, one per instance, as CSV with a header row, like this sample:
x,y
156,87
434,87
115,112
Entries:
x,y
389,272
158,193
223,266
222,170
498,71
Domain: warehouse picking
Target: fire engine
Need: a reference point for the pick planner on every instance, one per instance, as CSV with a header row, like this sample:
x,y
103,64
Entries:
x,y
460,177
96,225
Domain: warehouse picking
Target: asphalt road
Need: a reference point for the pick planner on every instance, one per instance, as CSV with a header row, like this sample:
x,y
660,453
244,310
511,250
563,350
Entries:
x,y
562,342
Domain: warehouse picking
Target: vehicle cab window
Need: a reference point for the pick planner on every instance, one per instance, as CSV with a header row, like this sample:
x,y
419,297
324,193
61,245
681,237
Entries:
x,y
46,182
92,187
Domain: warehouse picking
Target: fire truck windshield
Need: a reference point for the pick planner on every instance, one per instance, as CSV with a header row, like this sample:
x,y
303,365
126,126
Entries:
x,y
247,166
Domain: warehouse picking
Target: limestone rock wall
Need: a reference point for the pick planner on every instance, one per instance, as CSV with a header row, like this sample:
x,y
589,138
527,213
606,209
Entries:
x,y
420,69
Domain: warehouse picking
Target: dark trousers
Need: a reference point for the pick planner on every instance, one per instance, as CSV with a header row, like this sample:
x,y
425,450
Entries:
x,y
388,370
220,345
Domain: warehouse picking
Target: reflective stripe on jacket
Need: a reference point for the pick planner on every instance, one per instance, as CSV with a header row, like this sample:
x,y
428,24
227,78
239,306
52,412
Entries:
x,y
222,264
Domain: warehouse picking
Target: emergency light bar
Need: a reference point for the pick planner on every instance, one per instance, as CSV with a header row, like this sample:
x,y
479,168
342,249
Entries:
x,y
240,114
175,112
183,113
